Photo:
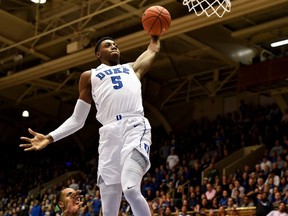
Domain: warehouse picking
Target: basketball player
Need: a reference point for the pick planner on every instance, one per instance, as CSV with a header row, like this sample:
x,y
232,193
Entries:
x,y
125,136
69,201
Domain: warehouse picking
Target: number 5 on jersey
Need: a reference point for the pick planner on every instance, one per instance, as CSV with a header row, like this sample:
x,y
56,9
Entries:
x,y
116,80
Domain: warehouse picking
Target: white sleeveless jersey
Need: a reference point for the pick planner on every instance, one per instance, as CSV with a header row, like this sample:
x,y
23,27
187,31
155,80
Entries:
x,y
116,90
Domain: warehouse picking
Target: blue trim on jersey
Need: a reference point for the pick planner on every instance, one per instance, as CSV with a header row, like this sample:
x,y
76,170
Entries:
x,y
146,147
143,132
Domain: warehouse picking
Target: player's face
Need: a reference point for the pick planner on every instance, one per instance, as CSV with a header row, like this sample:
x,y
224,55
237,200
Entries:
x,y
108,51
66,196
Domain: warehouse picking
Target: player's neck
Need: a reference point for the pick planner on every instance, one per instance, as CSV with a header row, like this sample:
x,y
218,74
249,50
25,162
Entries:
x,y
111,63
70,213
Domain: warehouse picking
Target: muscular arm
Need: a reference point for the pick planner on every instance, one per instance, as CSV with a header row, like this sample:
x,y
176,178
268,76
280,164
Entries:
x,y
145,60
81,110
85,87
75,122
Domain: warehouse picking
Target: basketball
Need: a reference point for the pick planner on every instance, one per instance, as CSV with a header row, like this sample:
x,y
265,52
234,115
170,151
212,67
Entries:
x,y
156,20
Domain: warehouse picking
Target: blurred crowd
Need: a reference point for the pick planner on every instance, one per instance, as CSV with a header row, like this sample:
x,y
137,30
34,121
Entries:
x,y
173,185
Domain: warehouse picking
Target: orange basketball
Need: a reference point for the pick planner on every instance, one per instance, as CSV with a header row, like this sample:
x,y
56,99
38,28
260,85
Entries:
x,y
156,20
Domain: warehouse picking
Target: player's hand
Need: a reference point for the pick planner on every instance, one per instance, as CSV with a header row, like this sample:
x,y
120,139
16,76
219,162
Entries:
x,y
74,203
155,37
38,142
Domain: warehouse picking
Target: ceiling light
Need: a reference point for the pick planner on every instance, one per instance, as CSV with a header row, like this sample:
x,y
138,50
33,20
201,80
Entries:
x,y
39,1
25,114
279,43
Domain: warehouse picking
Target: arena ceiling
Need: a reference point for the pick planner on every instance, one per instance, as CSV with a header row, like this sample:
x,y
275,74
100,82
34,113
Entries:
x,y
45,47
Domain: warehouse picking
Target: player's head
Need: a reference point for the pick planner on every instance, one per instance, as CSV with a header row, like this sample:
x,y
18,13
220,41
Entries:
x,y
100,41
63,197
106,50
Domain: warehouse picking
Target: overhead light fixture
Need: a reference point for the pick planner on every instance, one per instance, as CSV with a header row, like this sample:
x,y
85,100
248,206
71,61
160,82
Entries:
x,y
39,1
25,114
279,43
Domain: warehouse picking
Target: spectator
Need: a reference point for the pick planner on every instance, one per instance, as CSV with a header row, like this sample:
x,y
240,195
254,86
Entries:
x,y
213,172
237,199
224,199
230,203
150,195
215,203
225,184
167,211
250,190
146,185
263,206
202,207
280,162
24,207
210,192
196,174
125,208
275,169
96,204
172,160
180,181
74,185
247,202
219,191
265,162
36,210
232,211
221,211
183,211
270,184
260,185
285,198
274,179
281,210
277,199
164,150
277,148
192,201
245,180
237,187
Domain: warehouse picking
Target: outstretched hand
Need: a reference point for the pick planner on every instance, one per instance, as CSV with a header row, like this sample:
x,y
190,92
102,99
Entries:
x,y
38,142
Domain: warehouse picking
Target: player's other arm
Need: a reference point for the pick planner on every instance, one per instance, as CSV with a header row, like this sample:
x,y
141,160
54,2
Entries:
x,y
75,122
145,60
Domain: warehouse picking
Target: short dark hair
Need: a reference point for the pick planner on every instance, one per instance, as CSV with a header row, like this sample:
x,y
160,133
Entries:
x,y
100,41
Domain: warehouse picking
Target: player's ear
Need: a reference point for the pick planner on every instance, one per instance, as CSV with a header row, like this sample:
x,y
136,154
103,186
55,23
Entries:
x,y
61,204
98,55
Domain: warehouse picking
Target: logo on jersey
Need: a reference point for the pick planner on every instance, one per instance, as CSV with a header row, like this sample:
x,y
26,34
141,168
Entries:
x,y
146,148
112,71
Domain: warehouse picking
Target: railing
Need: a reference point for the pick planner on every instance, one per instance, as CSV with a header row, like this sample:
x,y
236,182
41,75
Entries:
x,y
237,160
240,211
53,182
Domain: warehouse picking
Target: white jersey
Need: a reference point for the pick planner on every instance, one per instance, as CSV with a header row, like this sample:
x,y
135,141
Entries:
x,y
116,90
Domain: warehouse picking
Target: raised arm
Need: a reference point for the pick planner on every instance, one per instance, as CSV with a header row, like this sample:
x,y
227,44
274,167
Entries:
x,y
145,60
75,122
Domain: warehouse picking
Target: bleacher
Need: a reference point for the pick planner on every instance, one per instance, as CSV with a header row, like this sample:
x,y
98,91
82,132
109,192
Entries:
x,y
207,145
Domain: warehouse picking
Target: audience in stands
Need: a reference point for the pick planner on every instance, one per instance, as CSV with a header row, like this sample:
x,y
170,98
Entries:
x,y
174,183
